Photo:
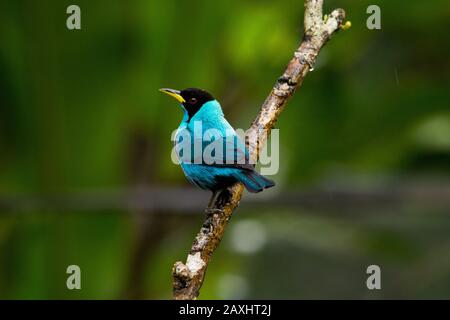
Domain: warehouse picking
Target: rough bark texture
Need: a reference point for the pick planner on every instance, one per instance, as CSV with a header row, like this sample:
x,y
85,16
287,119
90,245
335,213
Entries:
x,y
188,277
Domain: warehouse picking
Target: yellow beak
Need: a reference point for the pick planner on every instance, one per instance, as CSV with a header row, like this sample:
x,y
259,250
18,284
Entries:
x,y
173,93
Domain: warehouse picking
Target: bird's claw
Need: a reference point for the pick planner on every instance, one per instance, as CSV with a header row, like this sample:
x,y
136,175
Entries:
x,y
212,211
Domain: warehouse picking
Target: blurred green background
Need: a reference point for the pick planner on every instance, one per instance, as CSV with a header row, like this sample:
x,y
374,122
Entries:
x,y
85,170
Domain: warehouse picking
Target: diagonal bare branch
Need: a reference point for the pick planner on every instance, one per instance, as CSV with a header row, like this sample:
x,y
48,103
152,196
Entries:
x,y
188,277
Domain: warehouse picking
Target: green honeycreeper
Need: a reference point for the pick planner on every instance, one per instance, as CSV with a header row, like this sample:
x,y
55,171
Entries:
x,y
204,126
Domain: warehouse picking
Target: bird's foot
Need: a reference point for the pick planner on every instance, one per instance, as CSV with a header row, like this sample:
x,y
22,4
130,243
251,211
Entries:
x,y
223,197
212,211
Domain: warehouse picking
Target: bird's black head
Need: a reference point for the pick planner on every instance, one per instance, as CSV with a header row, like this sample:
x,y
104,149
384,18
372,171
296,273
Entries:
x,y
191,98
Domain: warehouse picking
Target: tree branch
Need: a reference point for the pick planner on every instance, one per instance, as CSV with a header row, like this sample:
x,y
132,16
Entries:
x,y
188,277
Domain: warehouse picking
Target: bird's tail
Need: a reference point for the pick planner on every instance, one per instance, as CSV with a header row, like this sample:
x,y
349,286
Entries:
x,y
254,182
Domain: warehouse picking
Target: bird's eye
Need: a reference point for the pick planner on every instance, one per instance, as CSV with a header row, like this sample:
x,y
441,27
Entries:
x,y
192,100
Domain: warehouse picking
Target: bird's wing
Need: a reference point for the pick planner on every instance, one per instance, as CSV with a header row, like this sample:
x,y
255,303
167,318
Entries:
x,y
228,151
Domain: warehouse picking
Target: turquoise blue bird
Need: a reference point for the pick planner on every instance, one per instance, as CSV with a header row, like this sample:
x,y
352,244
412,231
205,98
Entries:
x,y
204,127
